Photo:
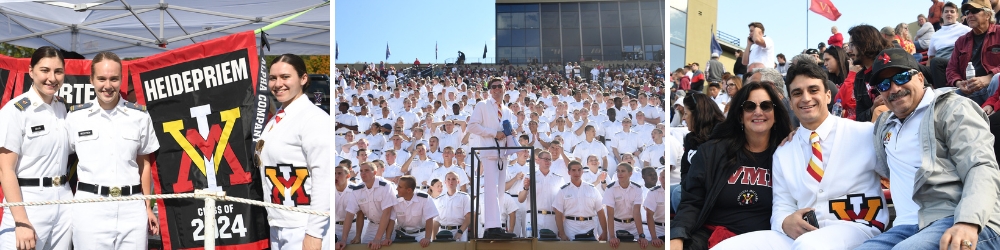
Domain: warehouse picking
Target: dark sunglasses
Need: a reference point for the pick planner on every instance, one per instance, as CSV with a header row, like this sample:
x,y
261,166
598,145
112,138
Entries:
x,y
971,11
750,106
496,86
899,79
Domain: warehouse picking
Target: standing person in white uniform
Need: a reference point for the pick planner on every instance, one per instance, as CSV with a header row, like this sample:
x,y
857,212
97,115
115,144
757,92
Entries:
x,y
486,124
34,148
109,124
624,203
297,148
576,205
376,200
415,212
655,212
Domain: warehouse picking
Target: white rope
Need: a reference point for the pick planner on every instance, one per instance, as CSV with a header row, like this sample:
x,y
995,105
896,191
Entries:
x,y
166,196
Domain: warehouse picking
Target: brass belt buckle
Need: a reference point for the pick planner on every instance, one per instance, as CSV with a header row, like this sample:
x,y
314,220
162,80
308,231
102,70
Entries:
x,y
56,181
116,191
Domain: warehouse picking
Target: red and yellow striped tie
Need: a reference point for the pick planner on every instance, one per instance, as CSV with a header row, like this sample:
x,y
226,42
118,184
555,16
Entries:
x,y
816,162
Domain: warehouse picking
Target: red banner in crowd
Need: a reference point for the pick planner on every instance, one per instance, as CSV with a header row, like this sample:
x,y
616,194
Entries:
x,y
825,8
200,98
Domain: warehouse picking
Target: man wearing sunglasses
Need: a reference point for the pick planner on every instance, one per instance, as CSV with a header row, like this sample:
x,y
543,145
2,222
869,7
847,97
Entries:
x,y
486,125
942,142
981,47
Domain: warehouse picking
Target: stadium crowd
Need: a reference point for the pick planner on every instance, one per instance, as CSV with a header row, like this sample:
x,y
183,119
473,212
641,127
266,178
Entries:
x,y
404,143
812,153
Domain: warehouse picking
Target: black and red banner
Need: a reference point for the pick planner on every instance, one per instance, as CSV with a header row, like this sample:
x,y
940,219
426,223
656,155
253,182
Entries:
x,y
200,98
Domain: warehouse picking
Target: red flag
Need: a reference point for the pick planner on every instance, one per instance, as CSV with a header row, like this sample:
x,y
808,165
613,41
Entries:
x,y
825,8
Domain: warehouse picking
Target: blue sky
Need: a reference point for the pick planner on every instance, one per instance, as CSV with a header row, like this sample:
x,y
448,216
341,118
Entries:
x,y
362,29
785,20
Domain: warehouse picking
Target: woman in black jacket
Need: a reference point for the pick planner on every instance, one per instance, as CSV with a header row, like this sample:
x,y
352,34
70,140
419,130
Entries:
x,y
701,115
728,188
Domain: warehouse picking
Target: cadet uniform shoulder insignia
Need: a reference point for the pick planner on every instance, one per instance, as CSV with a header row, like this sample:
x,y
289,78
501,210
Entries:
x,y
588,183
564,186
655,188
357,187
60,99
635,184
22,104
422,194
80,106
135,106
382,183
463,193
557,174
612,184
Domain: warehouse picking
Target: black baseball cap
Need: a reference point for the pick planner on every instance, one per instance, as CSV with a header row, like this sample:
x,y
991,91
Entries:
x,y
892,58
812,51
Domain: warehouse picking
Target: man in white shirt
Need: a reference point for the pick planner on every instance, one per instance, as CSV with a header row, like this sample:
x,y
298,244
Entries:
x,y
590,146
415,212
486,124
760,49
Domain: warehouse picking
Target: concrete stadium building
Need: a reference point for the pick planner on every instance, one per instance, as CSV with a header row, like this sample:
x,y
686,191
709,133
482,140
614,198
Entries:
x,y
579,31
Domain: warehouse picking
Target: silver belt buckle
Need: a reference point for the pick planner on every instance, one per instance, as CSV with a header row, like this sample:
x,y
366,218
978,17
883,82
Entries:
x,y
57,181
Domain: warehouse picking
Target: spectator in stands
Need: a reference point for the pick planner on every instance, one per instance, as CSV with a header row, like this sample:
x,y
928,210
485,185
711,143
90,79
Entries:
x,y
842,73
697,78
782,64
903,36
934,14
744,142
888,33
837,39
866,42
978,47
732,86
943,43
772,75
701,116
739,68
953,194
924,34
759,47
715,69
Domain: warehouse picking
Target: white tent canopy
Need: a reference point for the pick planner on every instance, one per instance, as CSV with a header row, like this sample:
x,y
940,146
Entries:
x,y
138,28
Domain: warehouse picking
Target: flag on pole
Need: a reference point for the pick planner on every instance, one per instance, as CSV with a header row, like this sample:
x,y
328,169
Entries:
x,y
435,51
387,51
715,47
336,54
484,50
825,8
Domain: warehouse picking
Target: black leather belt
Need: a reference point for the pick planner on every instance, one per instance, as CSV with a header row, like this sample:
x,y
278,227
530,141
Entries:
x,y
109,191
342,222
579,218
413,232
659,223
543,212
450,227
43,182
625,220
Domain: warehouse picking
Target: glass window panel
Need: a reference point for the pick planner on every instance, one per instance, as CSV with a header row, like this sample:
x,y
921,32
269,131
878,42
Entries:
x,y
627,49
571,53
649,47
652,35
591,36
516,8
532,37
609,6
551,20
517,20
503,37
612,52
632,36
550,7
532,52
571,37
570,19
592,50
678,28
501,8
550,37
590,6
589,19
531,7
517,52
503,52
569,7
611,36
551,54
630,18
503,21
531,20
629,5
650,17
649,56
610,18
517,37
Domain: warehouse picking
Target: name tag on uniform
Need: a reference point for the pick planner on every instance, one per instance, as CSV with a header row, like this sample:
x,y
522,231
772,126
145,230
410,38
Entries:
x,y
619,198
363,200
85,133
569,196
38,128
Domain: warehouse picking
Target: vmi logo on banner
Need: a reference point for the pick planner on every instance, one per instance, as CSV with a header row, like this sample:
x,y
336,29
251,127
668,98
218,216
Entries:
x,y
200,98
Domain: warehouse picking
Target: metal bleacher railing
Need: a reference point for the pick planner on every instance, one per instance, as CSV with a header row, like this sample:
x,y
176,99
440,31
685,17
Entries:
x,y
726,37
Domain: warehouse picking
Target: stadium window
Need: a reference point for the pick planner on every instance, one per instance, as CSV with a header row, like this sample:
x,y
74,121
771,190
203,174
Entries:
x,y
531,37
570,20
531,20
611,36
571,37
